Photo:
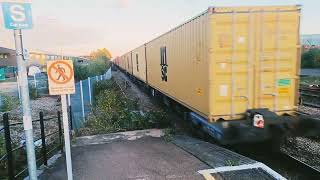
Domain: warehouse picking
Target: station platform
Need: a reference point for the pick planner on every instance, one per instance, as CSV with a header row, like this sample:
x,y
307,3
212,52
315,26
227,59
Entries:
x,y
144,155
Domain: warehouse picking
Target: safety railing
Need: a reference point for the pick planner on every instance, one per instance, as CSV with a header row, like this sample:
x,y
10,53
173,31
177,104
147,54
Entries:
x,y
13,161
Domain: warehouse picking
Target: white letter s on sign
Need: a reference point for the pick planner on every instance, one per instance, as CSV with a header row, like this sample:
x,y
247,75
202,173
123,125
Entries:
x,y
17,13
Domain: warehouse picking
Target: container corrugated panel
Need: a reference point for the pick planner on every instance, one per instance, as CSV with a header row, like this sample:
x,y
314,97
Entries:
x,y
181,72
121,62
254,59
128,62
228,60
139,63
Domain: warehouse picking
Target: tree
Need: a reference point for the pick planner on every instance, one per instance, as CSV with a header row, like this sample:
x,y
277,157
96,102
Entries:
x,y
101,53
311,59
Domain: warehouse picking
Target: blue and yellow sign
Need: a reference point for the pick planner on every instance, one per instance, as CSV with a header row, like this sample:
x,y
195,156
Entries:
x,y
17,15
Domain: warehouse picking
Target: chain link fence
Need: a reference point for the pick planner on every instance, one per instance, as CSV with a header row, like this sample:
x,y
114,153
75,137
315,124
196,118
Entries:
x,y
81,102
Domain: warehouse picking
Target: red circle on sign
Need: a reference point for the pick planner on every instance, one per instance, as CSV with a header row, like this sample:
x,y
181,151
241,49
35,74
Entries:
x,y
67,77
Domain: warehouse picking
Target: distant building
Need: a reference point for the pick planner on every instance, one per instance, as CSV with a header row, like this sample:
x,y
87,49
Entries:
x,y
7,57
37,58
8,61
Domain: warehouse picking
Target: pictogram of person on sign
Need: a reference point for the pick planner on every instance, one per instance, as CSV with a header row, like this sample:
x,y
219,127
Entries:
x,y
59,72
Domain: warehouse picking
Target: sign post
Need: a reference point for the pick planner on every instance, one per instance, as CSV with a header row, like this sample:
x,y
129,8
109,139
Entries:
x,y
17,16
61,82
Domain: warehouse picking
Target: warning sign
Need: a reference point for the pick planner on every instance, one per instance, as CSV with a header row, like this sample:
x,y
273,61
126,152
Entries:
x,y
60,77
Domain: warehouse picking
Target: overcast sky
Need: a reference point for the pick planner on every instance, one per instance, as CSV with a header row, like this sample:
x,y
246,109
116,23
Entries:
x,y
76,27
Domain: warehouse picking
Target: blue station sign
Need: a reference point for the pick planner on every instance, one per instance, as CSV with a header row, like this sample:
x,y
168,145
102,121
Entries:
x,y
17,15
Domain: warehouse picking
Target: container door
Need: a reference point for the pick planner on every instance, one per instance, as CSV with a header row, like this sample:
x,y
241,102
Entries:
x,y
254,61
276,60
233,69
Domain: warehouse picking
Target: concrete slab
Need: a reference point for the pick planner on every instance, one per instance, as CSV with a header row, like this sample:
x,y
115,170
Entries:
x,y
144,155
213,155
115,137
225,163
145,158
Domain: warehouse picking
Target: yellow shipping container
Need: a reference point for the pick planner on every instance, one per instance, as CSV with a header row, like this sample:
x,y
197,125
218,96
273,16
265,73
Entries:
x,y
228,60
123,62
139,63
128,62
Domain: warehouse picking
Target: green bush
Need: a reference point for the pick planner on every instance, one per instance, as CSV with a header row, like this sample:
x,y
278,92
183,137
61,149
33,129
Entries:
x,y
113,112
2,145
168,134
311,59
8,103
101,86
93,68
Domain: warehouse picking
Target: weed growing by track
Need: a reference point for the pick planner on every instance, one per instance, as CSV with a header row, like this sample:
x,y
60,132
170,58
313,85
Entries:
x,y
169,134
114,112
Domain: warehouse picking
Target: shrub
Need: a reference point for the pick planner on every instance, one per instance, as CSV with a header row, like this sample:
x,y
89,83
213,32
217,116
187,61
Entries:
x,y
93,68
101,86
168,134
113,112
8,103
2,145
311,59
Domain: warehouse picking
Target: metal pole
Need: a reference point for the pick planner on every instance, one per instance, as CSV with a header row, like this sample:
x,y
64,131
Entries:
x,y
70,117
66,135
18,84
35,81
69,100
82,103
43,140
90,95
27,120
60,131
97,78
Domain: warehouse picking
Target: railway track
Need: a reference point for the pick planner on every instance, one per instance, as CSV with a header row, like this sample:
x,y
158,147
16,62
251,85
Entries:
x,y
313,170
285,164
292,164
310,96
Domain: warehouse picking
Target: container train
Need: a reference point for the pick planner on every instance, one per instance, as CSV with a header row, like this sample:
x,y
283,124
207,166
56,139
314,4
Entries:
x,y
235,69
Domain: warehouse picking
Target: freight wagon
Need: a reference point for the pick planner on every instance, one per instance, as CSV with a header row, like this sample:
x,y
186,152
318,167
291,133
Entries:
x,y
236,69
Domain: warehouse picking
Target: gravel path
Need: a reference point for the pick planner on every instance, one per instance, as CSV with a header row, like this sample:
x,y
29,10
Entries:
x,y
305,149
134,93
310,110
48,105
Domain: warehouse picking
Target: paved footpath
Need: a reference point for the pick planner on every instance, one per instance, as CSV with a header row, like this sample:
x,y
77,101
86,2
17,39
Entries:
x,y
136,158
143,155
